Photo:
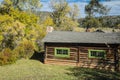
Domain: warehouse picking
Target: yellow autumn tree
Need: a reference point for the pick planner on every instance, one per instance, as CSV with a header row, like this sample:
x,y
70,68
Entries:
x,y
48,21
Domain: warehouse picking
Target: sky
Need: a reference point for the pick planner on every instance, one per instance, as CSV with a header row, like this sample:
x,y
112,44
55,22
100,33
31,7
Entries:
x,y
113,4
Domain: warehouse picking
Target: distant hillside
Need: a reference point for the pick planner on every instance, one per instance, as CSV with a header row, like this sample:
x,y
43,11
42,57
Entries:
x,y
107,21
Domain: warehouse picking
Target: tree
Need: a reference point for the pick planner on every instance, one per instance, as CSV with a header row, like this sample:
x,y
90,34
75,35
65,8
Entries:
x,y
91,22
118,26
25,5
19,33
60,9
110,21
60,16
48,21
74,12
94,7
11,32
6,7
16,25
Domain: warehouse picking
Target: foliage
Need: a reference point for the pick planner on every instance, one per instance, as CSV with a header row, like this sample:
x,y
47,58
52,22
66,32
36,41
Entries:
x,y
7,57
68,24
48,21
106,21
26,4
16,26
60,16
60,10
95,7
110,21
118,26
25,49
11,32
6,7
91,23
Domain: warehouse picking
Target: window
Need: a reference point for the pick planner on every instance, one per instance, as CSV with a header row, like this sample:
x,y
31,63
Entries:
x,y
62,52
97,53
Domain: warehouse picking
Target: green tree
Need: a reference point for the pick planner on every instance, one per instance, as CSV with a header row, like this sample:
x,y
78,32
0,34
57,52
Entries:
x,y
110,21
91,23
94,7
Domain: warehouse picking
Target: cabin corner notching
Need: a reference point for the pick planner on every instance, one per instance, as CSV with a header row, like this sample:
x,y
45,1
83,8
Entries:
x,y
82,49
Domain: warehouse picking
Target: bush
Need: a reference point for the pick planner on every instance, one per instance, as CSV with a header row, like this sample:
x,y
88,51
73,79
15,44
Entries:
x,y
7,56
25,49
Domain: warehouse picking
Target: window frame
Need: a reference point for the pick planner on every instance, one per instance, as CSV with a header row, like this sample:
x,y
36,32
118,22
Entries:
x,y
61,55
89,53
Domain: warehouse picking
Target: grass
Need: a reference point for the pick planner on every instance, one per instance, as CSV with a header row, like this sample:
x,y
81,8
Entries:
x,y
34,70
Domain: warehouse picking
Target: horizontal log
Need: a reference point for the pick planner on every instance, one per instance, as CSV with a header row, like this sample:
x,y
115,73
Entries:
x,y
83,57
63,47
81,47
83,53
71,56
50,53
61,60
73,52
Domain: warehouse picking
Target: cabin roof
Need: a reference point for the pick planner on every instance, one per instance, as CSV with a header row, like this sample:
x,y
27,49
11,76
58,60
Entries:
x,y
82,37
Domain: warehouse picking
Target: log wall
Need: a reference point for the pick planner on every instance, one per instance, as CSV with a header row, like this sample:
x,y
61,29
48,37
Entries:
x,y
85,61
79,56
73,53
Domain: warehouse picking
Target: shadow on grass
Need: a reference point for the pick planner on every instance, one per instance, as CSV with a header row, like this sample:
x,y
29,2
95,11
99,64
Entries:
x,y
93,74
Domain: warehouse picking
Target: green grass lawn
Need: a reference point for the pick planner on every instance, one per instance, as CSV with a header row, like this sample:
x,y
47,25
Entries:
x,y
34,70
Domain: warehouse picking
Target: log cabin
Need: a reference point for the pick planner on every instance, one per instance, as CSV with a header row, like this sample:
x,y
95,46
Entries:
x,y
83,49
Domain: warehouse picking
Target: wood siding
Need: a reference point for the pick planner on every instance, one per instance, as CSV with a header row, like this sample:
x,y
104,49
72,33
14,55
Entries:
x,y
85,61
79,55
73,53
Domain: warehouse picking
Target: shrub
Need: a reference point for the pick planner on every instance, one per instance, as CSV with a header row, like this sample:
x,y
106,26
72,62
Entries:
x,y
25,49
7,57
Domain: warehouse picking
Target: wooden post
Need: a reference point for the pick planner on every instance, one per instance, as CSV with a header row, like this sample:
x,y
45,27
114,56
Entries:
x,y
45,55
116,59
78,57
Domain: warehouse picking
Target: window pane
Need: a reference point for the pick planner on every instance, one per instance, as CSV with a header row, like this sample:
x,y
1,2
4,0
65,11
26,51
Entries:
x,y
93,53
59,51
62,52
65,52
97,53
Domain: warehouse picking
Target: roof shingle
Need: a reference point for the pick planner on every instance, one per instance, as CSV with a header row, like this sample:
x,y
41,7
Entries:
x,y
82,37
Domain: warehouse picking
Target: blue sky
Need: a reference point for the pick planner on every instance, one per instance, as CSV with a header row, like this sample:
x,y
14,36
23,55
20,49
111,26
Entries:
x,y
113,4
